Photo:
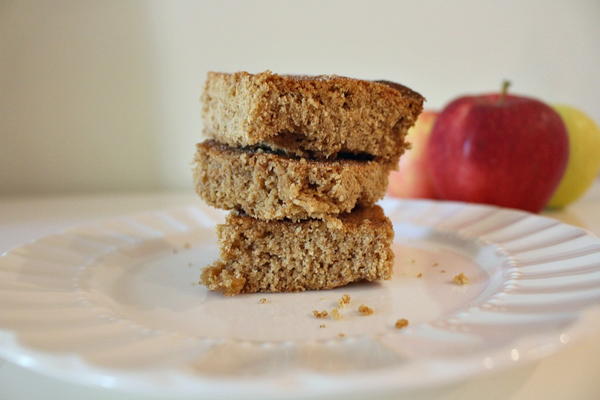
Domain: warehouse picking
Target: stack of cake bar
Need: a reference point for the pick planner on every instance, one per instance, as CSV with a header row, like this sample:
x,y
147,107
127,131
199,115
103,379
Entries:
x,y
301,161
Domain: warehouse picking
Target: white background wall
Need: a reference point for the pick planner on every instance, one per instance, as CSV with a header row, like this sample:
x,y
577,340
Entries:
x,y
103,95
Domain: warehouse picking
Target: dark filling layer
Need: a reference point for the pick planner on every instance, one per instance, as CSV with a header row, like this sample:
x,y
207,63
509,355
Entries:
x,y
308,155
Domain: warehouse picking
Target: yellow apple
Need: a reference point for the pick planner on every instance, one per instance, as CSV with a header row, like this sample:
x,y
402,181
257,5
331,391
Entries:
x,y
584,156
411,180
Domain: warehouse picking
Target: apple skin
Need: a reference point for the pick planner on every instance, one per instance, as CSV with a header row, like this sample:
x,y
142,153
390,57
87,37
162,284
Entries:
x,y
499,149
411,180
584,156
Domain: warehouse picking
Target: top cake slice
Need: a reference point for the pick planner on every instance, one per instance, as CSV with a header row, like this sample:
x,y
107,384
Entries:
x,y
310,116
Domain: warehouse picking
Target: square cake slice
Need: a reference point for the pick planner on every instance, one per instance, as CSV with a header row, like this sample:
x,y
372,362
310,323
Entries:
x,y
310,116
267,185
285,256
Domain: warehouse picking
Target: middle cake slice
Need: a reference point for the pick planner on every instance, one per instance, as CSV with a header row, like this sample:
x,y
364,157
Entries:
x,y
269,185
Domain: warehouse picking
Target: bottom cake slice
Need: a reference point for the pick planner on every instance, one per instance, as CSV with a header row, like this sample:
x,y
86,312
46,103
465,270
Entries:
x,y
286,256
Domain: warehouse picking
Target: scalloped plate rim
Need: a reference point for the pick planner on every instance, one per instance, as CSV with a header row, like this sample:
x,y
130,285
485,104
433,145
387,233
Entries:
x,y
363,382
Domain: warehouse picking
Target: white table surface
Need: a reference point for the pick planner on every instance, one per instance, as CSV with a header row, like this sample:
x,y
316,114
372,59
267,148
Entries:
x,y
573,373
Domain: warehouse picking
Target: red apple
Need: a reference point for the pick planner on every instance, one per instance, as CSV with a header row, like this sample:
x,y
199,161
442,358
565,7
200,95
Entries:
x,y
499,149
411,180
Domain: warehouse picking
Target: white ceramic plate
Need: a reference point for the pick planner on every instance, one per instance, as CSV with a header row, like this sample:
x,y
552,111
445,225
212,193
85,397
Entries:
x,y
117,304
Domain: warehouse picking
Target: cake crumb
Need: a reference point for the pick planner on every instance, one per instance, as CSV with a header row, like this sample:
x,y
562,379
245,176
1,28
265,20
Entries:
x,y
442,271
435,264
322,326
460,279
336,314
412,260
341,335
263,300
186,245
401,323
345,299
365,310
420,275
320,314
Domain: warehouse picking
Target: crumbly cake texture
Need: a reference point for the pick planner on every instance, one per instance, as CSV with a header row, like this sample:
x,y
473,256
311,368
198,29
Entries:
x,y
286,256
273,186
310,116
